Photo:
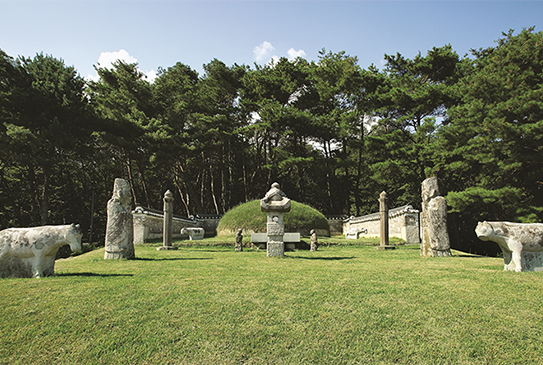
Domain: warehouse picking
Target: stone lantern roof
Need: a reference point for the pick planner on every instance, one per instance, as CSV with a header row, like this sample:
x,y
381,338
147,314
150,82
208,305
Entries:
x,y
275,200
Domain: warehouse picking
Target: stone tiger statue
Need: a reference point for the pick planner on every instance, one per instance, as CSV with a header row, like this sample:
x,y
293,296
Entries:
x,y
516,240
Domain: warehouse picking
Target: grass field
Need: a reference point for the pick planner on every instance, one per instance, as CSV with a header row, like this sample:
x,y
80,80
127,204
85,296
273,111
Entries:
x,y
343,304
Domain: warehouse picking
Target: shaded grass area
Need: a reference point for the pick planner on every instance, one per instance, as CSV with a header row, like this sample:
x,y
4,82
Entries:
x,y
211,305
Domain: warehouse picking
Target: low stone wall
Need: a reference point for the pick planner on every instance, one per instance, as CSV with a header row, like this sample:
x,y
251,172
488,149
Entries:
x,y
404,223
336,224
148,224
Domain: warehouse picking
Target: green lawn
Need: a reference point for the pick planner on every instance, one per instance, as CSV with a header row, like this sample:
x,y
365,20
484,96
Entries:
x,y
211,305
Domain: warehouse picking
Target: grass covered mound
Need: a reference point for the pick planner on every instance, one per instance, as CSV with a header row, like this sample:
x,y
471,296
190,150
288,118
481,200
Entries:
x,y
301,218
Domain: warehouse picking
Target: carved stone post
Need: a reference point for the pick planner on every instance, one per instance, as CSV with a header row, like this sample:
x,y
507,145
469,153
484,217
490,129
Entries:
x,y
275,203
383,214
384,231
119,229
167,227
435,236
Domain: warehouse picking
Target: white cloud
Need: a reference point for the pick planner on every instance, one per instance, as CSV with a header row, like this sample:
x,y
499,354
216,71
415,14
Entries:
x,y
107,59
262,51
293,54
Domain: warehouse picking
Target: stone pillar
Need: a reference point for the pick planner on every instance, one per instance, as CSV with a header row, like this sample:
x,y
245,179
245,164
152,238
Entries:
x,y
383,215
275,203
435,237
119,229
167,226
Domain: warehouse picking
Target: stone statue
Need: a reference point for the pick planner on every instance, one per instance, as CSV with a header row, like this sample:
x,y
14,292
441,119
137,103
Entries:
x,y
314,240
275,203
30,252
521,243
435,237
119,229
239,240
194,233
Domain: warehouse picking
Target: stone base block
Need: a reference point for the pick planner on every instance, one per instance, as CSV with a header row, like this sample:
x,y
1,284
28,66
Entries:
x,y
119,255
166,248
276,249
385,247
441,253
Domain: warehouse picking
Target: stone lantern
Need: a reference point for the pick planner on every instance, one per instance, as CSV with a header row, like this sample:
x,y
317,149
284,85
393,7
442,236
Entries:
x,y
275,203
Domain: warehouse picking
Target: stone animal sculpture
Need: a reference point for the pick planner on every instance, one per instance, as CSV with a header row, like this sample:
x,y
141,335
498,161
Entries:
x,y
195,233
30,252
516,240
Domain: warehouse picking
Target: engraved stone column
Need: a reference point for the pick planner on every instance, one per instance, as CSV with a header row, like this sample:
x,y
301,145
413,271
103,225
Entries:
x,y
435,236
383,214
275,203
167,227
119,229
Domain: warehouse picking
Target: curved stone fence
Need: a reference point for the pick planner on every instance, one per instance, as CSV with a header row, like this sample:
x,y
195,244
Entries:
x,y
148,224
404,223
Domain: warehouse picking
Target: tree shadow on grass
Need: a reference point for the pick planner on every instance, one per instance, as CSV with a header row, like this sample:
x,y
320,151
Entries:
x,y
322,258
91,274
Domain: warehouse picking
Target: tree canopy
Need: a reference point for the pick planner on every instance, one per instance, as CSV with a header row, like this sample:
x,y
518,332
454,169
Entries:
x,y
332,134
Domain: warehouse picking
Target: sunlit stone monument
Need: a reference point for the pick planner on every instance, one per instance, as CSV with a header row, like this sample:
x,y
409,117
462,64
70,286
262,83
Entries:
x,y
167,228
275,203
119,230
384,231
435,236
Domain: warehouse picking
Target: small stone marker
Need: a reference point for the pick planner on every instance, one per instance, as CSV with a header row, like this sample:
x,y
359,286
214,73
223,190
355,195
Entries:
x,y
314,240
383,214
239,240
275,203
167,228
119,229
435,237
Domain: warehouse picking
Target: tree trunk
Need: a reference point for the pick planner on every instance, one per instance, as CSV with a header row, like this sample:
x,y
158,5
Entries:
x,y
131,180
44,199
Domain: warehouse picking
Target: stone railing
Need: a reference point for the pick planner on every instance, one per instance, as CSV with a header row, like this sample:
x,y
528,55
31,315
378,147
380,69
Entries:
x,y
404,223
148,224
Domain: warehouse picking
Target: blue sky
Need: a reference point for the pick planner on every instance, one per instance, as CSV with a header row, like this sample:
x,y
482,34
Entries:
x,y
161,33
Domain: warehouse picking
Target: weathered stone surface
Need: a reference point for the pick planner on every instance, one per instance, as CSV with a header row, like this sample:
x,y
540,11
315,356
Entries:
x,y
30,252
383,215
168,217
239,240
119,229
521,243
275,200
275,203
195,233
435,236
314,241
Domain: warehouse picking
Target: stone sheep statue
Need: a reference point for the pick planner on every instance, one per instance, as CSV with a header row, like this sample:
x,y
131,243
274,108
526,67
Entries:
x,y
195,233
30,252
521,243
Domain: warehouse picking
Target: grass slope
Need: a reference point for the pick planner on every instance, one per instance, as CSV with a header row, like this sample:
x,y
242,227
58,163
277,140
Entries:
x,y
211,305
249,217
